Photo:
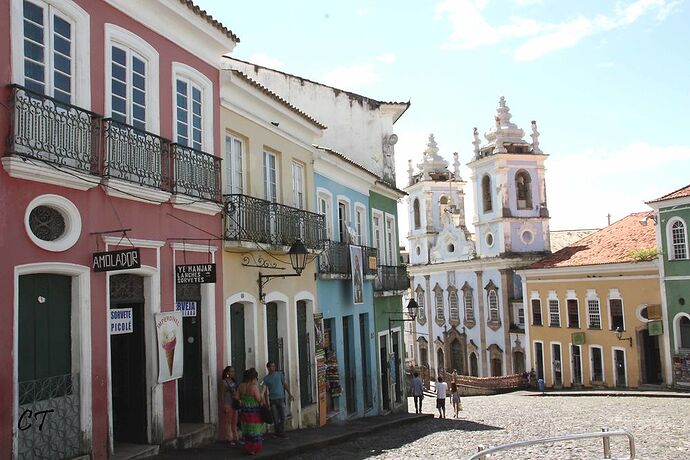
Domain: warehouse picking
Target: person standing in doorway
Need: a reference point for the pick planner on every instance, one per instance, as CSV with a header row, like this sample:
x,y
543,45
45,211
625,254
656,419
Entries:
x,y
276,387
441,388
417,393
231,404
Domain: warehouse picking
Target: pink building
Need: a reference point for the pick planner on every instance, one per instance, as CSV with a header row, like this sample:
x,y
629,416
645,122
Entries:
x,y
109,109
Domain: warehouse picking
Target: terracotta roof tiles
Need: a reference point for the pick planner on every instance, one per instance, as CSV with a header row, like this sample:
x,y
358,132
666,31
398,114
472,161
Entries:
x,y
610,245
214,22
681,192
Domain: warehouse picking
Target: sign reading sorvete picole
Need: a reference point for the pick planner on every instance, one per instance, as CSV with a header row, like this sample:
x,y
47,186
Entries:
x,y
116,260
195,273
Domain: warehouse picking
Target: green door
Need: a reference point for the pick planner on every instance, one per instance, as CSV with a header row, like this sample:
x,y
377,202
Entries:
x,y
237,339
304,353
190,392
272,334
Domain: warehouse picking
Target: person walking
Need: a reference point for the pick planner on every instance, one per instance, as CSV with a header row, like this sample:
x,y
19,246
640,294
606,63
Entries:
x,y
250,412
455,398
231,405
417,392
441,388
276,387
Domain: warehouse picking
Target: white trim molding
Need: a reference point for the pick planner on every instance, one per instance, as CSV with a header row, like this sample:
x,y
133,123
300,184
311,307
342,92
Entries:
x,y
190,74
669,238
676,330
70,215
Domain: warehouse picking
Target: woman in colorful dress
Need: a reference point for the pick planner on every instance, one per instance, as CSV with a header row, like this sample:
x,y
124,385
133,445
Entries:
x,y
251,422
231,405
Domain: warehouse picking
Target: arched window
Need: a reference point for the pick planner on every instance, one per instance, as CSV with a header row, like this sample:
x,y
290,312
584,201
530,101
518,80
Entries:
x,y
454,310
415,210
523,190
421,312
493,306
440,365
678,237
486,193
438,299
442,204
684,329
474,365
469,305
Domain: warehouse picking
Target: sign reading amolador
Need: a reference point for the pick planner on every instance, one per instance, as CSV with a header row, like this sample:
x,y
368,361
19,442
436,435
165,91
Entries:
x,y
195,273
116,260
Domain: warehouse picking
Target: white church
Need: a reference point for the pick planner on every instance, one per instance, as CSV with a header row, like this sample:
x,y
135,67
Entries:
x,y
471,317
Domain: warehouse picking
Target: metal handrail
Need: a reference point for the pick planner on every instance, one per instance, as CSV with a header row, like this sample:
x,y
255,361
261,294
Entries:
x,y
604,434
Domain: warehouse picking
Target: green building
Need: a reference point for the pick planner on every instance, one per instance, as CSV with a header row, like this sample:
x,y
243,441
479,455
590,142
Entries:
x,y
673,218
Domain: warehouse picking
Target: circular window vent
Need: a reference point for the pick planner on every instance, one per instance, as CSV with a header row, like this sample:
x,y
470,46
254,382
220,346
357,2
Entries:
x,y
489,239
418,250
527,237
451,248
52,222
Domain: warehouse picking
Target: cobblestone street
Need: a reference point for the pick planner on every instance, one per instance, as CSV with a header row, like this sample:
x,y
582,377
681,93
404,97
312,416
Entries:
x,y
661,427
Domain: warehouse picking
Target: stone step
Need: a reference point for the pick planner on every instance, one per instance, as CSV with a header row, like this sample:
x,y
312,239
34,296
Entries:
x,y
191,435
126,451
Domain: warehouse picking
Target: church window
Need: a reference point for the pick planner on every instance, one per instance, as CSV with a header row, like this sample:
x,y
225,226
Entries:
x,y
469,302
489,238
415,210
679,240
486,193
451,248
443,205
454,310
493,306
523,189
438,299
421,312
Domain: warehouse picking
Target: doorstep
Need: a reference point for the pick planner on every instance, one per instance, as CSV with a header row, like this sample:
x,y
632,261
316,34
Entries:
x,y
126,451
191,435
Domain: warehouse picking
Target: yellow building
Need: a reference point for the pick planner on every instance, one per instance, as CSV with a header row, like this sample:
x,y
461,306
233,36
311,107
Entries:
x,y
593,310
268,205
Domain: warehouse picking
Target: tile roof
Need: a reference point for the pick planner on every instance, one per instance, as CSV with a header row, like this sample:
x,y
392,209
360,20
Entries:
x,y
681,192
610,245
357,165
214,22
276,97
562,238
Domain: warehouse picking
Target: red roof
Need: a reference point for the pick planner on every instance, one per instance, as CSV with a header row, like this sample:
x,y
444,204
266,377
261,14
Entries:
x,y
211,20
681,192
610,245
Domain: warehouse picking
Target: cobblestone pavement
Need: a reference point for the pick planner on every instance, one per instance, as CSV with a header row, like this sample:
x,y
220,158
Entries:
x,y
661,427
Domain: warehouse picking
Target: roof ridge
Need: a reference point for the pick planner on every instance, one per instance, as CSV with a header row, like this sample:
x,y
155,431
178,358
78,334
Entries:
x,y
210,19
664,197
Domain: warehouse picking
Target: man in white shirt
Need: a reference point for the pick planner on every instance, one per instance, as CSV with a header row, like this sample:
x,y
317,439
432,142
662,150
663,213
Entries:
x,y
441,388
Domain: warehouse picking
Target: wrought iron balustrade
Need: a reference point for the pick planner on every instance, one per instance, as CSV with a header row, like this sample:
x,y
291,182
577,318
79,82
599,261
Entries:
x,y
391,278
52,131
195,173
135,156
335,259
253,219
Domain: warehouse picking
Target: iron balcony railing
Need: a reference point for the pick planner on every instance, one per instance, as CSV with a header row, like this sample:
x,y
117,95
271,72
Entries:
x,y
195,173
391,278
61,134
51,131
335,259
260,221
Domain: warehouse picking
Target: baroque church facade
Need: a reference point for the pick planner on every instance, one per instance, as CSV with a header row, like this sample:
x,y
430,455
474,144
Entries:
x,y
472,316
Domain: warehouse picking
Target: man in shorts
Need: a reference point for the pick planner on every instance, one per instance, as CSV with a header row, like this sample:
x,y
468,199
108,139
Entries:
x,y
441,388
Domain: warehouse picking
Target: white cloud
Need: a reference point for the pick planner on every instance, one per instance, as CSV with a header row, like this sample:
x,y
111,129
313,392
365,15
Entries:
x,y
533,38
354,76
386,58
362,12
528,2
266,61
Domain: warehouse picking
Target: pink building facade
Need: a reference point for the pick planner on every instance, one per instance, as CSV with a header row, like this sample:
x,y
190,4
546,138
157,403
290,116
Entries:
x,y
109,109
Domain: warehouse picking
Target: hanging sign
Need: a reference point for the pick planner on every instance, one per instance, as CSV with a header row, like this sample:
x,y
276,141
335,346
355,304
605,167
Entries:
x,y
578,338
188,309
357,278
116,260
170,344
195,273
121,321
655,328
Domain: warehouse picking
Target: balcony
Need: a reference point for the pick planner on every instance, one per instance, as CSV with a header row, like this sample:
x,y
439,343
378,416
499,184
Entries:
x,y
250,219
76,142
335,259
391,278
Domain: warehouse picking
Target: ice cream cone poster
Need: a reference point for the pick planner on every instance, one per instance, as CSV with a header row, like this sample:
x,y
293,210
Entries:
x,y
357,278
170,343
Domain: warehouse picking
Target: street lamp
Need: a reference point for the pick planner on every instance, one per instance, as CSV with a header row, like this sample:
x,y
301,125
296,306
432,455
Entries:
x,y
619,335
298,259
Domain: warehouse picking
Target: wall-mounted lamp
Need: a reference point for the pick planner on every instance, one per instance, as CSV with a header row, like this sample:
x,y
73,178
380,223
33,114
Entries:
x,y
619,335
298,259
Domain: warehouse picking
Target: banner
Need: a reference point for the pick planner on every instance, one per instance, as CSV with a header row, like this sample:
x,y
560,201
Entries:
x,y
357,278
170,344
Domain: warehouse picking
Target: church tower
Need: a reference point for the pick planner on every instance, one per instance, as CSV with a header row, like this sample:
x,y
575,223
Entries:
x,y
436,201
508,180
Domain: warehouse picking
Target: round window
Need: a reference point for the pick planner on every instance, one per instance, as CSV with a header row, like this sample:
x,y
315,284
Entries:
x,y
489,239
451,248
52,222
418,250
527,237
642,313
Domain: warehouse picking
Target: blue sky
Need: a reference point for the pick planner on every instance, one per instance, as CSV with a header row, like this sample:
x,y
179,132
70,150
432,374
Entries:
x,y
607,81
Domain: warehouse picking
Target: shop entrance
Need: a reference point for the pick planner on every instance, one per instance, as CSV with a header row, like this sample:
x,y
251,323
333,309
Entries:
x,y
651,358
128,361
190,394
383,360
619,364
237,339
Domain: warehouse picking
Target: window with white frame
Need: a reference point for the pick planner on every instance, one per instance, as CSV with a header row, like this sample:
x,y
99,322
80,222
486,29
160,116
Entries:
x,y
234,161
468,302
616,314
573,307
344,220
421,312
390,241
48,51
298,200
377,228
494,315
554,313
521,316
189,113
597,359
325,210
360,224
678,239
128,86
438,300
593,312
453,305
270,166
536,312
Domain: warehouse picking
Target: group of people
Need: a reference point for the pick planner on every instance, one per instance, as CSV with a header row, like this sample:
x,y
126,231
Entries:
x,y
441,393
246,403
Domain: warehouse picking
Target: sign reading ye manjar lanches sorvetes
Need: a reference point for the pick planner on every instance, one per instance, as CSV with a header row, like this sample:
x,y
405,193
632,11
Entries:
x,y
116,260
195,273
